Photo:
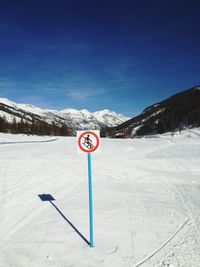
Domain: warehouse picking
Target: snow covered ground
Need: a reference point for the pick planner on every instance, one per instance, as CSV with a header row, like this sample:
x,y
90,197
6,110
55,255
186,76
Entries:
x,y
146,202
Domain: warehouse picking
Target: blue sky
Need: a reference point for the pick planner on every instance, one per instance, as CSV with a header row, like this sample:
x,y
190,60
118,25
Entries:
x,y
119,55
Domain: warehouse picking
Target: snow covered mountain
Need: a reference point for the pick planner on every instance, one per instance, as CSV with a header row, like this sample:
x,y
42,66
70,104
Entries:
x,y
177,112
110,118
96,120
71,118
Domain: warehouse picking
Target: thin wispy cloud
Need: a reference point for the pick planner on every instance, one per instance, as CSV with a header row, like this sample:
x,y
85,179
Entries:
x,y
37,100
5,83
83,95
4,27
122,72
7,28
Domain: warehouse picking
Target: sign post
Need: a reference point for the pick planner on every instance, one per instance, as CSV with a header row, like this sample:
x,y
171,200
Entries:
x,y
90,199
88,142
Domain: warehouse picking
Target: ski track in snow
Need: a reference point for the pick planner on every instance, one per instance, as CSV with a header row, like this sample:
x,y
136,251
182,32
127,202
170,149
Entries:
x,y
145,198
187,202
162,246
185,196
27,142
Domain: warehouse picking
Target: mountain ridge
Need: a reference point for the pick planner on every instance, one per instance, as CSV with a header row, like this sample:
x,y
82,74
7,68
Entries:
x,y
73,119
179,111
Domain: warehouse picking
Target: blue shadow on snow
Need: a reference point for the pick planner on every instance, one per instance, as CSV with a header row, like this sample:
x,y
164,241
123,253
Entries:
x,y
48,197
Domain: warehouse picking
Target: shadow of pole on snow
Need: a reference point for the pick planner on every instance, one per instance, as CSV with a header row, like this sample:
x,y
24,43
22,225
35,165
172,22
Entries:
x,y
48,197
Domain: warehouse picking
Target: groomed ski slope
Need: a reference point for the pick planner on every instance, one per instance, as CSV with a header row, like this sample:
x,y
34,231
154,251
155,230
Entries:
x,y
146,202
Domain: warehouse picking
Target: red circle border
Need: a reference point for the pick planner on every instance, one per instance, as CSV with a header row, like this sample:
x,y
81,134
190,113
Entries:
x,y
91,150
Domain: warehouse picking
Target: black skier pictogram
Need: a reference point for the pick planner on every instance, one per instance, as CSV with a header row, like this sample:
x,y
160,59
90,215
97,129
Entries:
x,y
88,142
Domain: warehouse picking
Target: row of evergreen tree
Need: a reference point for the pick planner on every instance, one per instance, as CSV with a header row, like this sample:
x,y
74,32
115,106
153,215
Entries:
x,y
35,127
178,112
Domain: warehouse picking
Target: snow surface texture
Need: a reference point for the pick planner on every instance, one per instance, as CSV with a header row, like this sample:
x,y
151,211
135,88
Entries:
x,y
77,119
146,202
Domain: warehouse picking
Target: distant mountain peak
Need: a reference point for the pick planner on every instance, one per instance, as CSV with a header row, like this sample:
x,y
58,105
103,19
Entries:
x,y
69,110
6,101
103,111
85,111
72,118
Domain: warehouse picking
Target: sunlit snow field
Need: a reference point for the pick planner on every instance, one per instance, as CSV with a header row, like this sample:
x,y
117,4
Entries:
x,y
146,195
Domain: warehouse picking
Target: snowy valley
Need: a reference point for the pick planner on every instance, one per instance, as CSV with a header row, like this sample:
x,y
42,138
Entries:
x,y
146,202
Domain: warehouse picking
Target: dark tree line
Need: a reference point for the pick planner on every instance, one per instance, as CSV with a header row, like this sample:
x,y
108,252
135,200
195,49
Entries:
x,y
173,114
35,127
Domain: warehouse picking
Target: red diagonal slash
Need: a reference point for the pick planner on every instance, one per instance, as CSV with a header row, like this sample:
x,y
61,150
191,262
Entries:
x,y
94,147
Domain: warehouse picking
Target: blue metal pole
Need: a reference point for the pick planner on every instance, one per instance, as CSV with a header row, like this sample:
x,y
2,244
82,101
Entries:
x,y
90,199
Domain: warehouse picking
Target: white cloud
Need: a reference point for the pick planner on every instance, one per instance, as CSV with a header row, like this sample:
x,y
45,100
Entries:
x,y
6,84
6,27
83,95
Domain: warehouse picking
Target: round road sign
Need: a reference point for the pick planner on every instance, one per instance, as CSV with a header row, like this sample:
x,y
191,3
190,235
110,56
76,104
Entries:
x,y
88,141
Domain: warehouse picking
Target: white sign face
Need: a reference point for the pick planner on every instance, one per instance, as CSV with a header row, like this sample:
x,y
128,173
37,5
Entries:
x,y
88,141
